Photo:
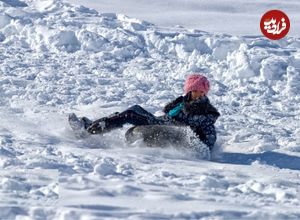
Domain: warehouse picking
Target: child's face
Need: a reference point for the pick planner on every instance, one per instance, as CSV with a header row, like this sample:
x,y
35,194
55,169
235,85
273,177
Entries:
x,y
197,94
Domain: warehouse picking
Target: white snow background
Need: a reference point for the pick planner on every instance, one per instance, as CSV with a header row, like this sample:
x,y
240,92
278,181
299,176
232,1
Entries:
x,y
57,58
235,17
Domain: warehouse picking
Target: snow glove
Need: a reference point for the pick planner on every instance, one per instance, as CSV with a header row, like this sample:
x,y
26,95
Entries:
x,y
173,109
176,110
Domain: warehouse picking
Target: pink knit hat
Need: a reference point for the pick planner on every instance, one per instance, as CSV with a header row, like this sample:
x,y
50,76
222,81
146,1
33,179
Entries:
x,y
196,82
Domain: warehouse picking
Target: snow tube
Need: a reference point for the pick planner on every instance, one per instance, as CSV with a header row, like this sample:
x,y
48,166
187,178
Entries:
x,y
159,135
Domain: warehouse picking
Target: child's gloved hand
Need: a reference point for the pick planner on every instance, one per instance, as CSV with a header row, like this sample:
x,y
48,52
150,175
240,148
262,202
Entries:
x,y
175,111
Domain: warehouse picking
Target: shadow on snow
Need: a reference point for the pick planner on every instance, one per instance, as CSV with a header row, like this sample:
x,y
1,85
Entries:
x,y
280,160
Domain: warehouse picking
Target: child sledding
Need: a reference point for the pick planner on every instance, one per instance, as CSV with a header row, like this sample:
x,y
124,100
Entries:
x,y
193,110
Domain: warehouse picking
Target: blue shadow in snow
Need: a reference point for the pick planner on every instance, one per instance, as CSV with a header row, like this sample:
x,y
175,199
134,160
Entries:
x,y
280,160
15,3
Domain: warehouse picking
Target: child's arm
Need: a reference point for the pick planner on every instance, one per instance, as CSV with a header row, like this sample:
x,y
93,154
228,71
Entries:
x,y
175,102
172,104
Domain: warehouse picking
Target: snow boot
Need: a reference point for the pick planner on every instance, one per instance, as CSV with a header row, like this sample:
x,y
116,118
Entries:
x,y
79,125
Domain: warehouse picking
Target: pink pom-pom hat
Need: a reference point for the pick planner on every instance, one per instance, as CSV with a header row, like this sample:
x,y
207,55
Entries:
x,y
196,82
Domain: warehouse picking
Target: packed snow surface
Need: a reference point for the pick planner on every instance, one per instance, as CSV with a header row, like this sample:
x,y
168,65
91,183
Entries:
x,y
57,58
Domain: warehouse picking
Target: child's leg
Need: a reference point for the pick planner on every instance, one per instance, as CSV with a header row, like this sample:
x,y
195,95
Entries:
x,y
135,115
87,122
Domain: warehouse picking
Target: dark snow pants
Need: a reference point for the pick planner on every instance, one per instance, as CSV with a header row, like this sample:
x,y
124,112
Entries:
x,y
134,115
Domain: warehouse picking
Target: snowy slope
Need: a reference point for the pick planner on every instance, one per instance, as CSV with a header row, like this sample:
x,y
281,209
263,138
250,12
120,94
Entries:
x,y
236,17
57,58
